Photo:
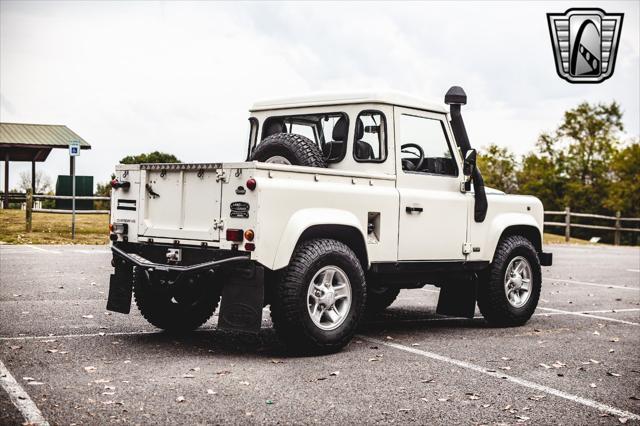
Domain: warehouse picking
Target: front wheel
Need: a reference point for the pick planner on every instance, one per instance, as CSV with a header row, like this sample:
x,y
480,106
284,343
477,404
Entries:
x,y
319,300
509,291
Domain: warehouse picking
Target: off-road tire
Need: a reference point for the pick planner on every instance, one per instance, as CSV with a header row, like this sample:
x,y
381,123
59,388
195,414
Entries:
x,y
380,298
158,309
492,299
297,149
289,312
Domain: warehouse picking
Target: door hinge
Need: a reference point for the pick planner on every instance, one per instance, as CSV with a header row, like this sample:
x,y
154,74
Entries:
x,y
466,248
218,224
221,176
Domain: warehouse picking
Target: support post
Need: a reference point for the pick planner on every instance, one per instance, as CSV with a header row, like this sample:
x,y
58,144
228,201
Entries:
x,y
567,224
73,197
29,209
33,176
5,203
616,235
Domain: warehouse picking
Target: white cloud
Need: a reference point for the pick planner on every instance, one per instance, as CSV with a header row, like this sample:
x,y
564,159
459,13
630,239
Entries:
x,y
179,77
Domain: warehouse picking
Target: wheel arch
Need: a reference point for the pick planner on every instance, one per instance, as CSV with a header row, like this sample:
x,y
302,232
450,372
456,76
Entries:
x,y
307,224
510,224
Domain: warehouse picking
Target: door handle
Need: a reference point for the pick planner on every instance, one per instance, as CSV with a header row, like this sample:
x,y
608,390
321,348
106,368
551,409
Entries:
x,y
410,209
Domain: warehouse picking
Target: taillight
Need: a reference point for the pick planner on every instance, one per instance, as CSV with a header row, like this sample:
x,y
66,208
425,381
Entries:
x,y
251,184
115,184
111,227
249,234
249,247
235,235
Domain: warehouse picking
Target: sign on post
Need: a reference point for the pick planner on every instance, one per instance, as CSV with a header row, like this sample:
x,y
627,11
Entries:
x,y
74,151
74,148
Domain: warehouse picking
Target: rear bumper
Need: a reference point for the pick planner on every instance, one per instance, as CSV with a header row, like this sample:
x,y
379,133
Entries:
x,y
137,260
546,259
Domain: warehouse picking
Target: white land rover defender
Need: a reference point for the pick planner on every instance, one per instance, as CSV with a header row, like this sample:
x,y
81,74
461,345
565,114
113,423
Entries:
x,y
342,201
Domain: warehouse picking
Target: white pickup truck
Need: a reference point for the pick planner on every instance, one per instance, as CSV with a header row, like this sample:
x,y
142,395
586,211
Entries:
x,y
343,201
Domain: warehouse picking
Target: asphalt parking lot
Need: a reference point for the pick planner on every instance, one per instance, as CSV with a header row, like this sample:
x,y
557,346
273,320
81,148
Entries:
x,y
65,360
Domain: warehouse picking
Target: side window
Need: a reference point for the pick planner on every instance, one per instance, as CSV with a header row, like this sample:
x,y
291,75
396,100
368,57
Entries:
x,y
370,138
424,146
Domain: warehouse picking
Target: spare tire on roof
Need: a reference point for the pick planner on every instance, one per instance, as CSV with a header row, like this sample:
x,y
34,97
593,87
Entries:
x,y
288,148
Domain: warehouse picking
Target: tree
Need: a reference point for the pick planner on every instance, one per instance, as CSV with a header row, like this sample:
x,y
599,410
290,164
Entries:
x,y
498,166
43,182
102,190
152,157
624,190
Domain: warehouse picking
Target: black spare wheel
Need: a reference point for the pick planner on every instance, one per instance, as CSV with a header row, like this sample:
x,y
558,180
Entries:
x,y
288,148
179,308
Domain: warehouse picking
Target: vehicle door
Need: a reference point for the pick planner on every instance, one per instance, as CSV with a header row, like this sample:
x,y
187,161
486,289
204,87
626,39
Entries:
x,y
433,210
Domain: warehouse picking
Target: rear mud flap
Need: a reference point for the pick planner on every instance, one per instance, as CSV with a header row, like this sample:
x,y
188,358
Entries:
x,y
120,289
458,299
242,299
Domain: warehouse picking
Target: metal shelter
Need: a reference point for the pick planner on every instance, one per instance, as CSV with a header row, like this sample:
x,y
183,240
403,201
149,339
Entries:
x,y
32,142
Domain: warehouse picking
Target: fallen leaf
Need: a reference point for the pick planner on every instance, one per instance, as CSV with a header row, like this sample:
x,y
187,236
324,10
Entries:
x,y
15,347
597,333
269,402
507,407
611,351
443,399
505,368
223,372
188,376
404,410
108,393
426,381
244,382
522,419
609,373
424,399
87,316
34,383
335,373
277,361
52,351
180,399
635,398
614,339
593,361
102,381
536,397
194,369
486,405
559,364
593,385
546,367
504,358
415,344
211,392
389,338
623,420
90,369
373,359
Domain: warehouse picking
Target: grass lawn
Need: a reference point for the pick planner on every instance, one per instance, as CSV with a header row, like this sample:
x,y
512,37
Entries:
x,y
559,239
50,228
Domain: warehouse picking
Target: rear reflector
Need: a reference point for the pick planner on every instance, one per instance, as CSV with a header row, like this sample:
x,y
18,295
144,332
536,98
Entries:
x,y
249,247
235,235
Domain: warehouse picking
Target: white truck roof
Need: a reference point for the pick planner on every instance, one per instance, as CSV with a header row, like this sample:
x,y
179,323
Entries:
x,y
323,99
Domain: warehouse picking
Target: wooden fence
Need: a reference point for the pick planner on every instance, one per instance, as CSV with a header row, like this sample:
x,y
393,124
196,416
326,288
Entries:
x,y
567,225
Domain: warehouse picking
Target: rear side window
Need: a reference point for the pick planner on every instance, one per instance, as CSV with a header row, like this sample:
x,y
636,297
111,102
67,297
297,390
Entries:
x,y
328,130
370,137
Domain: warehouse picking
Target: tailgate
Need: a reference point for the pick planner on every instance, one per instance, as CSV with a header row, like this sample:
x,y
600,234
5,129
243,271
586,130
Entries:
x,y
181,201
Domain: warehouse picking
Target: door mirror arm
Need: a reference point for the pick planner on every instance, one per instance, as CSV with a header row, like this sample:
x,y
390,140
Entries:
x,y
468,168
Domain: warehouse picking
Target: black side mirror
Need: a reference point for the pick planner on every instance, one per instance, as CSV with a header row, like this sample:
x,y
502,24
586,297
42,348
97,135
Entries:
x,y
469,163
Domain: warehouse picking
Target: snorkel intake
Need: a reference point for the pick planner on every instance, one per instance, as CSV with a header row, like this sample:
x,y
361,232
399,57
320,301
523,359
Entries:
x,y
456,97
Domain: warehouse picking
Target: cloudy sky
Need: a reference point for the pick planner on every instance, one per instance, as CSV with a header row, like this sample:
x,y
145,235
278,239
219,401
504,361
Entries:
x,y
179,77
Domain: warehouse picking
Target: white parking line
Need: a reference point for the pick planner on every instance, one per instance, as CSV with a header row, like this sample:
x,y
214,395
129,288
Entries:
x,y
44,250
591,284
522,382
589,315
20,398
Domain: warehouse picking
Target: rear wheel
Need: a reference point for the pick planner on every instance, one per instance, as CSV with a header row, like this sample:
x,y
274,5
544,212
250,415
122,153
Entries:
x,y
319,300
181,310
510,289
